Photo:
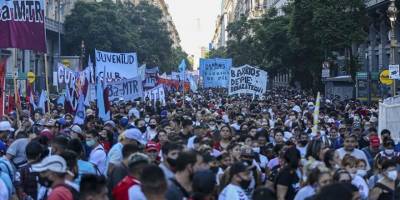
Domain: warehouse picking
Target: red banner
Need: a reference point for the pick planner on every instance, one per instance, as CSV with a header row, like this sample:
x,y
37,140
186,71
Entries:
x,y
22,24
173,83
2,85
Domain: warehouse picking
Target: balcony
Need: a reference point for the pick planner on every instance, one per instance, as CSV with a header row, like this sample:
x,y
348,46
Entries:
x,y
53,25
370,3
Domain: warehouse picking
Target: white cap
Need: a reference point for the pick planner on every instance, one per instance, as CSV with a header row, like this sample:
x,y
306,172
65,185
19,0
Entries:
x,y
53,163
134,134
5,126
76,129
310,104
110,122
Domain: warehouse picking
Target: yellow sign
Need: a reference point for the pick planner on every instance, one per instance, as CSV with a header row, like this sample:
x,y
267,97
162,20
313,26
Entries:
x,y
384,77
31,77
66,62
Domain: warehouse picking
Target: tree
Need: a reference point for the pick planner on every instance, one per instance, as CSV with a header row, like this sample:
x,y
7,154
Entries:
x,y
122,27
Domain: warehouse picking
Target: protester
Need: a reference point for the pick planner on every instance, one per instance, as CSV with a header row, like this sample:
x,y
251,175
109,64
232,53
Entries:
x,y
203,145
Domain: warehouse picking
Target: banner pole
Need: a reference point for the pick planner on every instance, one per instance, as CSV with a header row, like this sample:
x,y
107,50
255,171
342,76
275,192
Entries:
x,y
15,86
47,83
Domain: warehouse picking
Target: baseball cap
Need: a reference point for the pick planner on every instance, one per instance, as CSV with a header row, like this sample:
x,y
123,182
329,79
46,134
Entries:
x,y
51,123
53,163
89,112
124,121
153,146
374,141
134,134
110,122
76,129
5,126
137,158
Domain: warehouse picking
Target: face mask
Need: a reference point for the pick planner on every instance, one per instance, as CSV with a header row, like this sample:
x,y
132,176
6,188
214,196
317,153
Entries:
x,y
44,181
171,162
142,129
392,175
322,132
90,143
303,142
240,121
212,128
152,126
389,151
244,184
147,120
361,172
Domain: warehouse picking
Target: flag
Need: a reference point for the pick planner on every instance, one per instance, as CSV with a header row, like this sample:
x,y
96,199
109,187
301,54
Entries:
x,y
68,102
142,72
193,84
103,114
80,111
316,113
42,101
182,69
11,103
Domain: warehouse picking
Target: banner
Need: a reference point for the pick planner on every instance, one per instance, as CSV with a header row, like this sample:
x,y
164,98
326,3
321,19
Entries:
x,y
80,111
69,77
22,24
2,85
173,84
156,94
215,72
151,77
117,65
128,89
247,80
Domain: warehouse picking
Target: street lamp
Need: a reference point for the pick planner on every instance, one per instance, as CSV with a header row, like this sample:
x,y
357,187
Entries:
x,y
392,15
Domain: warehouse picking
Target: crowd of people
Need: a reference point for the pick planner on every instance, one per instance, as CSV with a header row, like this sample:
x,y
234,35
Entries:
x,y
201,146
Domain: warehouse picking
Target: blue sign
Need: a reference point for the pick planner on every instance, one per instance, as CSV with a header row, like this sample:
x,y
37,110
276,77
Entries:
x,y
215,72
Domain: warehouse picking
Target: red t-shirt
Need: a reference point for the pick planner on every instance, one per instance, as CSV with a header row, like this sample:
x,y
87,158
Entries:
x,y
60,193
120,192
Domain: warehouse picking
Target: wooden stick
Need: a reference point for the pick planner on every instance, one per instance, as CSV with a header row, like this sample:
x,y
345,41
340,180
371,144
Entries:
x,y
47,83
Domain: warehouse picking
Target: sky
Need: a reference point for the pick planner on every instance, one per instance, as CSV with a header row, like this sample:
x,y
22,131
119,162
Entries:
x,y
195,22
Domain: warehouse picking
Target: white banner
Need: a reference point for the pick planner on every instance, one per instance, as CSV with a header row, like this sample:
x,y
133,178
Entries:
x,y
118,66
128,89
156,94
394,72
247,80
68,76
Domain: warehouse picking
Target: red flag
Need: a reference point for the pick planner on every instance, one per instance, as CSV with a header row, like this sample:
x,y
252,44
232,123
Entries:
x,y
11,103
2,85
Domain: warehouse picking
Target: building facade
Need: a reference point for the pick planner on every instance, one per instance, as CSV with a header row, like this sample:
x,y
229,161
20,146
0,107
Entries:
x,y
374,54
233,10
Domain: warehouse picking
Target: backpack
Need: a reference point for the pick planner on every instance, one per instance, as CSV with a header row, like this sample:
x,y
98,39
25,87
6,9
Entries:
x,y
75,193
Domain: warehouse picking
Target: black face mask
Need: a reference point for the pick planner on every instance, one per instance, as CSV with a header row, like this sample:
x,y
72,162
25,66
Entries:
x,y
152,126
303,142
171,162
142,129
244,184
44,181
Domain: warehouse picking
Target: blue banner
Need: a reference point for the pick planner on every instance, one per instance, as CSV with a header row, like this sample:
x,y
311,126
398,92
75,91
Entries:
x,y
215,72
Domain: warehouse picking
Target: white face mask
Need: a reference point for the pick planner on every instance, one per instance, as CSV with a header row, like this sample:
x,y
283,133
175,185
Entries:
x,y
147,120
392,175
361,172
389,151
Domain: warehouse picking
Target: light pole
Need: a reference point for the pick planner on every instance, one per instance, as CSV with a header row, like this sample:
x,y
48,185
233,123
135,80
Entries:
x,y
392,14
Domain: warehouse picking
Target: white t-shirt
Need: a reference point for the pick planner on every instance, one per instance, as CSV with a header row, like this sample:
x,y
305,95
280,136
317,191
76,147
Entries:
x,y
135,193
356,153
232,192
304,193
361,185
98,157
